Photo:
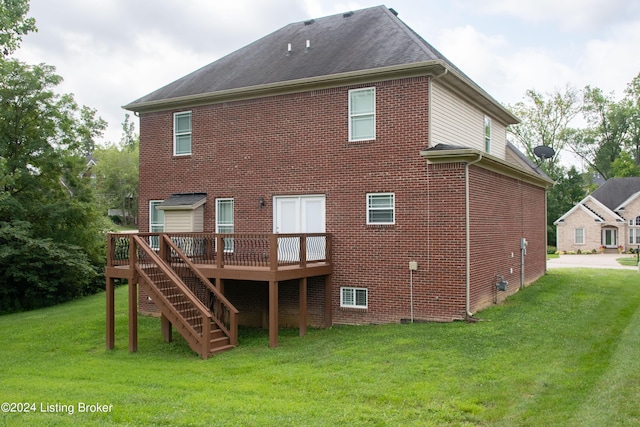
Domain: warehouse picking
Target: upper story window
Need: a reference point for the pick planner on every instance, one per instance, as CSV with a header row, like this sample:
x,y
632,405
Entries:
x,y
182,133
362,114
487,134
381,208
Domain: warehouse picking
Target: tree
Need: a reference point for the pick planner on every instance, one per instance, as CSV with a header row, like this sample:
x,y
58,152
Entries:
x,y
601,142
116,175
51,245
545,120
14,24
568,190
631,102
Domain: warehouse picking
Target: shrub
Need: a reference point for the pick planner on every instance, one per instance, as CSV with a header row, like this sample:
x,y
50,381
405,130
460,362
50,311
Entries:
x,y
552,250
38,273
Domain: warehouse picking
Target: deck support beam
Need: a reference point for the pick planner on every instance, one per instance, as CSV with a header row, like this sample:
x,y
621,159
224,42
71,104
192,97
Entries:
x,y
273,313
110,312
133,316
328,321
167,330
303,306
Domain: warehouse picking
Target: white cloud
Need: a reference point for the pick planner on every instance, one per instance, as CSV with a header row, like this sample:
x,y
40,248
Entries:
x,y
570,15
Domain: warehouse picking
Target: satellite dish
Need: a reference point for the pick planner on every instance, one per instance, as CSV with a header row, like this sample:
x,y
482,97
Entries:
x,y
544,152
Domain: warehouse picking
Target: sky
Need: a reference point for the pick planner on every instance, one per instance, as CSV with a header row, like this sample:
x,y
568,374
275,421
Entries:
x,y
112,52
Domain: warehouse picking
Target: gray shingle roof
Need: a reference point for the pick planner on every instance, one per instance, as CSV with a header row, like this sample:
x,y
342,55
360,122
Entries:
x,y
366,39
616,190
183,201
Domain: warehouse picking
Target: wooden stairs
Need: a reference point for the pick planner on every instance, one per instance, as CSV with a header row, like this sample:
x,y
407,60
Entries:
x,y
187,300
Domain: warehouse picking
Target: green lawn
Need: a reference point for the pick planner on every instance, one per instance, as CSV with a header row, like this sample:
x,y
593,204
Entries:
x,y
628,261
563,352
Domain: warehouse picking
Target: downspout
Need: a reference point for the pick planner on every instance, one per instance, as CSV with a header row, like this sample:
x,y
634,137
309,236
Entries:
x,y
468,235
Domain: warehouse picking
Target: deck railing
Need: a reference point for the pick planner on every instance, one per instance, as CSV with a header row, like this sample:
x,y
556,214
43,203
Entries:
x,y
238,249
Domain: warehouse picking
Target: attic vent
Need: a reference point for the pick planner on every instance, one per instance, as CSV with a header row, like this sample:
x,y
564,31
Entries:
x,y
392,10
346,15
309,22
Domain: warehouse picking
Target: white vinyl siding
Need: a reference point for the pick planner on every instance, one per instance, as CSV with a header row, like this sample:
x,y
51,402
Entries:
x,y
182,133
457,122
362,114
353,297
184,221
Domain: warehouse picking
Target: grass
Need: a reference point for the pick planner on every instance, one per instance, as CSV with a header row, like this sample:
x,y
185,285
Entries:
x,y
628,261
561,352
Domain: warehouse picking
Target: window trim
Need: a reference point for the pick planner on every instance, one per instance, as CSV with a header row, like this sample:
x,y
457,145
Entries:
x,y
392,208
354,290
575,236
176,134
487,134
227,241
367,114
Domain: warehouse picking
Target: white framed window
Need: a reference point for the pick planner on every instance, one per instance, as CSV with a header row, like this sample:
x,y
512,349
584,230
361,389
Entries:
x,y
487,134
578,236
634,231
156,222
381,208
354,297
182,133
224,221
362,114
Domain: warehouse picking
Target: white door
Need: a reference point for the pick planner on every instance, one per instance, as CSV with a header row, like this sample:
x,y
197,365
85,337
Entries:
x,y
299,214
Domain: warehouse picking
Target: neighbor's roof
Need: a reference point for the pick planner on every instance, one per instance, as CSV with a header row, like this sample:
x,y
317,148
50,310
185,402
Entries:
x,y
332,50
185,201
615,191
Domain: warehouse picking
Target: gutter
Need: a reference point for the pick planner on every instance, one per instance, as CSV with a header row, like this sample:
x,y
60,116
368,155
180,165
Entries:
x,y
468,313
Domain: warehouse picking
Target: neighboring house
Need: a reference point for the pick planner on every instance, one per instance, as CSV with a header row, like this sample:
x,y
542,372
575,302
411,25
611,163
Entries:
x,y
352,125
608,218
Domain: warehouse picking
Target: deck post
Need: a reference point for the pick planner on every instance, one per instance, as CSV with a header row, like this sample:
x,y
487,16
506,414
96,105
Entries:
x,y
303,306
273,252
327,301
133,316
133,296
110,313
273,313
167,330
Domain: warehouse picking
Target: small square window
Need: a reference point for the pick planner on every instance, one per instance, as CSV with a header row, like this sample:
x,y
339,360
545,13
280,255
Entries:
x,y
353,297
381,208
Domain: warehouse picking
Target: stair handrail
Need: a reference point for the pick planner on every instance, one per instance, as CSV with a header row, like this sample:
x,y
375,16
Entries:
x,y
232,331
204,311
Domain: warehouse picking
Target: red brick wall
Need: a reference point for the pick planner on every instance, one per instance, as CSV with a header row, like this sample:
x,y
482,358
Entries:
x,y
504,211
298,144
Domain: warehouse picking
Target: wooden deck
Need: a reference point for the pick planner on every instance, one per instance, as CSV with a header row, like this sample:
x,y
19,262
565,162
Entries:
x,y
268,258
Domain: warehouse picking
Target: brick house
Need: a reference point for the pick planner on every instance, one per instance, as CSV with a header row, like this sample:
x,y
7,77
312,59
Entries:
x,y
352,125
607,219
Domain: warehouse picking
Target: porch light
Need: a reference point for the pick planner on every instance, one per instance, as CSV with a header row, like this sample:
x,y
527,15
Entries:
x,y
261,202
